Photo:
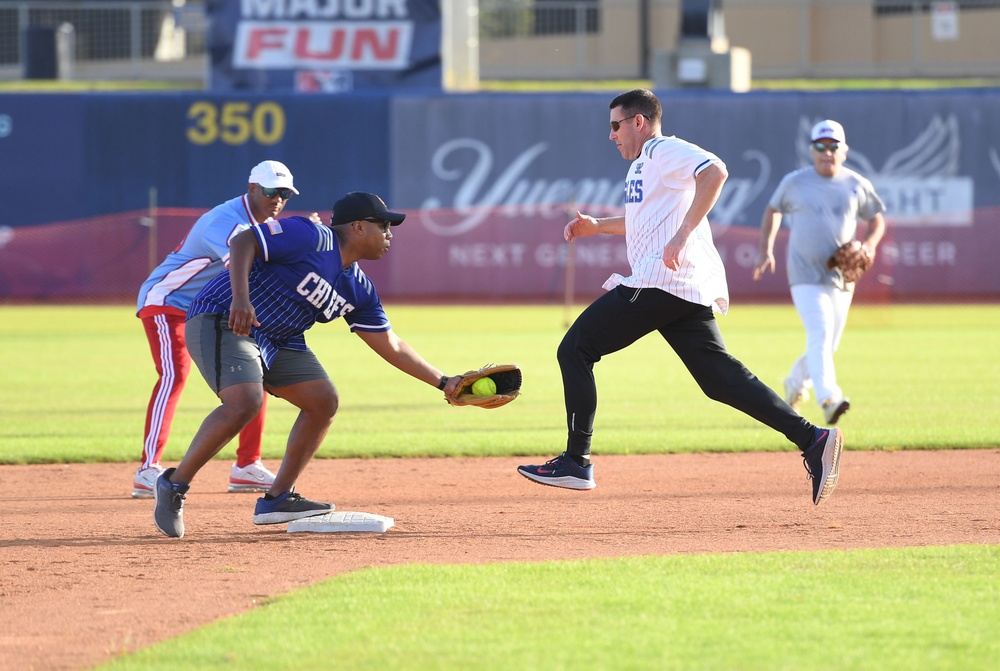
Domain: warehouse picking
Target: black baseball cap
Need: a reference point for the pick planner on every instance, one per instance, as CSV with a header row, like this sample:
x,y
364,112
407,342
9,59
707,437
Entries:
x,y
362,206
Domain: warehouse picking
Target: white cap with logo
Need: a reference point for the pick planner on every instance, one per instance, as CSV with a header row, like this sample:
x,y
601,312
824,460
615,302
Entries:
x,y
828,130
272,175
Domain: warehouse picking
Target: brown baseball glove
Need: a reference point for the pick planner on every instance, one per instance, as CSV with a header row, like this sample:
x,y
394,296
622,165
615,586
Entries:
x,y
852,259
506,386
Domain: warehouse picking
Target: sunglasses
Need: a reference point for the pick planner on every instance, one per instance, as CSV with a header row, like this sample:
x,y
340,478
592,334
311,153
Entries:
x,y
271,192
382,225
822,147
615,125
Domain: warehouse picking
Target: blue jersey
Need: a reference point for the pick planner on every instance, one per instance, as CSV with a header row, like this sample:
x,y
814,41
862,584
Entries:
x,y
299,280
202,255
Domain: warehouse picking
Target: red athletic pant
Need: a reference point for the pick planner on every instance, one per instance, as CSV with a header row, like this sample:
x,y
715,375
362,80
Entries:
x,y
165,332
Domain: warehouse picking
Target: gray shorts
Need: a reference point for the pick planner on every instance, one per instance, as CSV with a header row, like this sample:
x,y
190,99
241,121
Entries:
x,y
225,358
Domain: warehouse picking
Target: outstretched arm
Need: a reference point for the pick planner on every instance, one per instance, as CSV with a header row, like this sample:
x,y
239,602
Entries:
x,y
396,351
769,225
584,225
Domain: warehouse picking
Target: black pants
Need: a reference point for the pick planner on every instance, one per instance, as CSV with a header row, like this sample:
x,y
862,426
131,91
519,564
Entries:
x,y
623,315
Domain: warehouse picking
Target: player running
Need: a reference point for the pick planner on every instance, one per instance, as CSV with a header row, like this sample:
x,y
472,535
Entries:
x,y
677,281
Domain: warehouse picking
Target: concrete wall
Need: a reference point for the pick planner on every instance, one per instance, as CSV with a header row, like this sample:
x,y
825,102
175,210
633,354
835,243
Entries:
x,y
786,38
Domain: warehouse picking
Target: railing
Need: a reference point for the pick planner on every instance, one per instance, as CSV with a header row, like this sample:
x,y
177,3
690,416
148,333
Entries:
x,y
132,39
537,18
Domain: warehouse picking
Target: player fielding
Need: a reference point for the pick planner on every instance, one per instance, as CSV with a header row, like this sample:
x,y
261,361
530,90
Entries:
x,y
246,332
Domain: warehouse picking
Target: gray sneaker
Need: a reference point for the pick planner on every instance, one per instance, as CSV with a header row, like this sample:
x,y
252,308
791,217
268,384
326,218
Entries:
x,y
168,514
287,507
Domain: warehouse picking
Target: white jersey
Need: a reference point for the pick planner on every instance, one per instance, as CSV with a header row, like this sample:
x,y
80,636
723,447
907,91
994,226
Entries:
x,y
658,193
202,255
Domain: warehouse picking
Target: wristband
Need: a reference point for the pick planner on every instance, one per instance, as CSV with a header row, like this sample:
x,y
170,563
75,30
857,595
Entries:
x,y
443,383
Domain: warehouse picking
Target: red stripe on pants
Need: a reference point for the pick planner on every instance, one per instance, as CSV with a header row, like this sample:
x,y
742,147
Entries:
x,y
165,333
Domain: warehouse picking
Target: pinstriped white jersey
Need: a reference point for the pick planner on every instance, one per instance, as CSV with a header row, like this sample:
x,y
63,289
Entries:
x,y
202,255
658,193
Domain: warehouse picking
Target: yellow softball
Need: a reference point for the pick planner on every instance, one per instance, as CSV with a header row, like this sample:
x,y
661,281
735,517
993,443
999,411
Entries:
x,y
484,386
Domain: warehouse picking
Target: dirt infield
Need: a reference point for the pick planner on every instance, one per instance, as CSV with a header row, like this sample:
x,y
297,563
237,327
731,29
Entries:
x,y
86,576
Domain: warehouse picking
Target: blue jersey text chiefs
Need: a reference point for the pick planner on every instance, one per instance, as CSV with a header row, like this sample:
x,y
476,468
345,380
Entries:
x,y
321,294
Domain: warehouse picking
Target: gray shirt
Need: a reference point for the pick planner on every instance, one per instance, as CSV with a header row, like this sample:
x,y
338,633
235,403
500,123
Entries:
x,y
822,213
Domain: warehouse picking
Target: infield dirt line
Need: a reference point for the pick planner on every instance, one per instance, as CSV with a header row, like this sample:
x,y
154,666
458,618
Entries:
x,y
86,574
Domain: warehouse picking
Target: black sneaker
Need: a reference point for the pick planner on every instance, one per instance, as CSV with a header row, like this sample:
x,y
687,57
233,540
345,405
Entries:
x,y
822,461
561,472
168,514
287,507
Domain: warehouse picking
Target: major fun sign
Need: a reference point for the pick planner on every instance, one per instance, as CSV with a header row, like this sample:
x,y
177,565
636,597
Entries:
x,y
296,44
325,45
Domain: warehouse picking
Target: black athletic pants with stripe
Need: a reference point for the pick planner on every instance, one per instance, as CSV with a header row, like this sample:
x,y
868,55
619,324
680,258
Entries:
x,y
623,315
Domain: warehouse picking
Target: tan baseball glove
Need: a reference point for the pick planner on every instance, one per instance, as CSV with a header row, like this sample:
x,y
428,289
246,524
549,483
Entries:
x,y
852,259
506,380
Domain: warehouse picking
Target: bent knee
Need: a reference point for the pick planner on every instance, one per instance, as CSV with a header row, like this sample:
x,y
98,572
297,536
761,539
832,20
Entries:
x,y
244,400
323,399
575,351
328,406
569,347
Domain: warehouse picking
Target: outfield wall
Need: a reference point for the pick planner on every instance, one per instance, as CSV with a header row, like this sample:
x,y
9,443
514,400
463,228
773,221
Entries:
x,y
488,179
521,259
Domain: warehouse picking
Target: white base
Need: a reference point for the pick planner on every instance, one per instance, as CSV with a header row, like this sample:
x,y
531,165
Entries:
x,y
342,521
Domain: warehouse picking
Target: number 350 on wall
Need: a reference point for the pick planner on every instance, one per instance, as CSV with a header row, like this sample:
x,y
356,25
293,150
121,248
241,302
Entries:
x,y
235,122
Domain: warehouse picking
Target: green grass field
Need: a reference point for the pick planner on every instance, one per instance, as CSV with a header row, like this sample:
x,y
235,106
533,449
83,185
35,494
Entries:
x,y
77,380
926,608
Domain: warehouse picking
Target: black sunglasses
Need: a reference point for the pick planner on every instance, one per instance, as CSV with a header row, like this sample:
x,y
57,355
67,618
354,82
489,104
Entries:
x,y
615,125
271,192
823,147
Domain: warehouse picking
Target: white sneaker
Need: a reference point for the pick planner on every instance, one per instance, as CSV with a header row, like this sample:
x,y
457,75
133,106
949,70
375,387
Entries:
x,y
834,409
145,481
795,396
252,478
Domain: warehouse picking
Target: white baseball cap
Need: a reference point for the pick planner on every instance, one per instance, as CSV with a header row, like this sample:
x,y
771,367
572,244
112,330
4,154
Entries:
x,y
828,130
272,175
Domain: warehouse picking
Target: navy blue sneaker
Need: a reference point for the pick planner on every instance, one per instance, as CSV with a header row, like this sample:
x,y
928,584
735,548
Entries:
x,y
561,472
287,507
168,514
822,461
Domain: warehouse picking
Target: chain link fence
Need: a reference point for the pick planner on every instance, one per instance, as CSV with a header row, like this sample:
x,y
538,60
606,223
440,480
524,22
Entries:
x,y
133,39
